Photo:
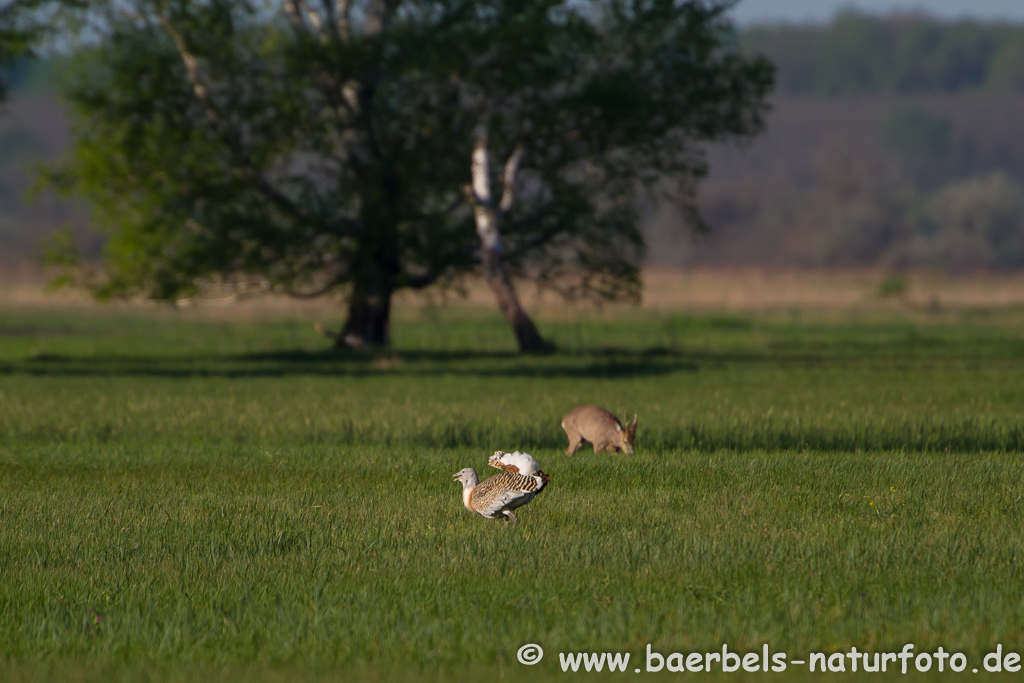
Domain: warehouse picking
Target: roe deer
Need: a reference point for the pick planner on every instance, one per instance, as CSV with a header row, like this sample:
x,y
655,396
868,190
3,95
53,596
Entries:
x,y
602,429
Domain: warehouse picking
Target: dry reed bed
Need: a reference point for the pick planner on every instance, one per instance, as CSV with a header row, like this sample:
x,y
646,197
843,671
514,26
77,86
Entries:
x,y
747,290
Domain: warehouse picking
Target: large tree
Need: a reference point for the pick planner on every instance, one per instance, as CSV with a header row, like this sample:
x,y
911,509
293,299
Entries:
x,y
314,146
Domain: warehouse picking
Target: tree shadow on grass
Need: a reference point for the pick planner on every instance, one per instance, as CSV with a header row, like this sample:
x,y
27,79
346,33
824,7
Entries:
x,y
605,363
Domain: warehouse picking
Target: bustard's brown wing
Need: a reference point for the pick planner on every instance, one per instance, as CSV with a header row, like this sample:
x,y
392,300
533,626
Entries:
x,y
505,491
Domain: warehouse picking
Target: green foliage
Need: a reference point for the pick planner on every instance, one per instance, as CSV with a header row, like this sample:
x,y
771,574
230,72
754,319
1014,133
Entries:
x,y
188,498
859,53
302,159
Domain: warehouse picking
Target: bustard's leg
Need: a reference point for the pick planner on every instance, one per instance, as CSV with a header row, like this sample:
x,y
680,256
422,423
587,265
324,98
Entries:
x,y
511,517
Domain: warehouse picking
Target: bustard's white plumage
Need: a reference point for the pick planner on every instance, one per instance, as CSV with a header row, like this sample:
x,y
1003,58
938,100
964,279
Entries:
x,y
519,481
522,463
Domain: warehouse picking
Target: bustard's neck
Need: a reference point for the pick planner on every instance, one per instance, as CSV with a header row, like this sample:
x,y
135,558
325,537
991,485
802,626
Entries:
x,y
468,484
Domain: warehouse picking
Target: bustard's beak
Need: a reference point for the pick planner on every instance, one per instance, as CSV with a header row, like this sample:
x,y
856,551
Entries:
x,y
455,477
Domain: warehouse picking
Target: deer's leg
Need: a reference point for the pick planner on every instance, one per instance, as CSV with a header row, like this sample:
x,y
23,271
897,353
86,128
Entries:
x,y
575,441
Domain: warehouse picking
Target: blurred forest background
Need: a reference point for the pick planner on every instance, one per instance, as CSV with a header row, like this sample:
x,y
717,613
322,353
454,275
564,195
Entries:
x,y
894,142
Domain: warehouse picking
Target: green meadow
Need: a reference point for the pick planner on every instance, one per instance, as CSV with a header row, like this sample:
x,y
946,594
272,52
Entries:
x,y
186,497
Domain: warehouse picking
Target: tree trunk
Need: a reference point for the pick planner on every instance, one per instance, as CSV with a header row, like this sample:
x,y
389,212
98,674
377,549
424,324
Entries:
x,y
497,279
368,323
373,279
487,216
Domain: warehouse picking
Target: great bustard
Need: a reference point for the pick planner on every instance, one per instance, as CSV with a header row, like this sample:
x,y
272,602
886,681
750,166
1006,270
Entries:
x,y
519,481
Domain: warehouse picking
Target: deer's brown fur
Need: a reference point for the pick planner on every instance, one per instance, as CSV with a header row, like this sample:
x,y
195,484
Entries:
x,y
598,426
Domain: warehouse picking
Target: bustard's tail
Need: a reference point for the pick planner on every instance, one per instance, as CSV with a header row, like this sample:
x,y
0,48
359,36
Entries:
x,y
520,463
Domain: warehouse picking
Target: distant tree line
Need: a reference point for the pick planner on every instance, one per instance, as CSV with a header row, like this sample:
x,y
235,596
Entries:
x,y
860,54
919,180
894,141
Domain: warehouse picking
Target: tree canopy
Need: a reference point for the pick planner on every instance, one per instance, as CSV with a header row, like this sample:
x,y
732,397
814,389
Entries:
x,y
314,146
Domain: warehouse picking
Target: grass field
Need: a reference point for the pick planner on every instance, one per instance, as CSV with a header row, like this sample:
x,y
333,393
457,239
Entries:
x,y
187,498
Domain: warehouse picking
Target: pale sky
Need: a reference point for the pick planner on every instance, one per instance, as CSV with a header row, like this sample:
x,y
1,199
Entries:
x,y
750,11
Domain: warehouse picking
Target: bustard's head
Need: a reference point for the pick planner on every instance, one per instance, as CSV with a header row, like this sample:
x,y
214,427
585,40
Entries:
x,y
467,476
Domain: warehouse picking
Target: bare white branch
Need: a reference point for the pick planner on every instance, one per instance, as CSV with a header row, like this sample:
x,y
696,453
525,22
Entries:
x,y
479,195
486,222
508,193
487,228
481,170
